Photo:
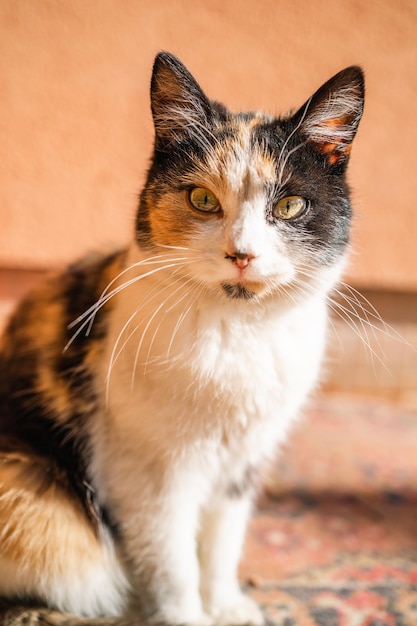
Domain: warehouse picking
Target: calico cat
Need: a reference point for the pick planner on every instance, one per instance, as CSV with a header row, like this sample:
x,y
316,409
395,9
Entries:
x,y
142,392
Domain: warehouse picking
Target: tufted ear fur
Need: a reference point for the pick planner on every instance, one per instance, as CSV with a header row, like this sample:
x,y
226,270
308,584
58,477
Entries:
x,y
331,117
179,106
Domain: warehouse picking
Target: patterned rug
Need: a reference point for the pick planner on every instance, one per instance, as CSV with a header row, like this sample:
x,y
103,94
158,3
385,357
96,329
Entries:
x,y
334,539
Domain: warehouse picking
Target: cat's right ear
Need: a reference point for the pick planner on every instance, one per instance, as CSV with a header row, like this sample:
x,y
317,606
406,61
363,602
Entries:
x,y
179,105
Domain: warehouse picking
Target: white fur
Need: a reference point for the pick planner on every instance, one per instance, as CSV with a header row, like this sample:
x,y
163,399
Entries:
x,y
92,586
224,399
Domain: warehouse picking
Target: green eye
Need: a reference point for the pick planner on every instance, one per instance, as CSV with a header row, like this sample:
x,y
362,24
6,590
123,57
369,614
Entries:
x,y
204,200
290,207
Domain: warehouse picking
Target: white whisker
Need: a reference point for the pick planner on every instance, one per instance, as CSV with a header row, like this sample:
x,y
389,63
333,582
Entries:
x,y
358,317
140,344
116,351
384,328
89,315
182,316
284,163
162,245
169,359
346,316
165,313
364,321
292,133
147,261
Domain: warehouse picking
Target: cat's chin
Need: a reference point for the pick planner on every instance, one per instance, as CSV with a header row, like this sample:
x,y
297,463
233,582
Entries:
x,y
240,291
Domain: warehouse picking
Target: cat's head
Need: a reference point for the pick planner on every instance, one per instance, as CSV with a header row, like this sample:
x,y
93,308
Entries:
x,y
252,204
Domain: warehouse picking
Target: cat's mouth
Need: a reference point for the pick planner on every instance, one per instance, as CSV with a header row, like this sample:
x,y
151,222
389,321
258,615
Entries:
x,y
239,291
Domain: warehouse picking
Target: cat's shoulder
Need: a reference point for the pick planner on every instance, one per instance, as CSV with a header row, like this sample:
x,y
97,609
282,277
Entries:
x,y
46,315
70,288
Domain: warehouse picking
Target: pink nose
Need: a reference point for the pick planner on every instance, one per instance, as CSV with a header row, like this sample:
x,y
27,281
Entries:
x,y
241,259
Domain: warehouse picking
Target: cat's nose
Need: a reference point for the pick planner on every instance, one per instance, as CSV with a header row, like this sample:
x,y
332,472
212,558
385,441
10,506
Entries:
x,y
239,258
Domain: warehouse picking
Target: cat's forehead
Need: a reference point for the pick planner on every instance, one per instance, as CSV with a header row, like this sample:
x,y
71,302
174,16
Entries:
x,y
242,158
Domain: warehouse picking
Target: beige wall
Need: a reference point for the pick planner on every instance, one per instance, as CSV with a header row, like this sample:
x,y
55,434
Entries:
x,y
75,127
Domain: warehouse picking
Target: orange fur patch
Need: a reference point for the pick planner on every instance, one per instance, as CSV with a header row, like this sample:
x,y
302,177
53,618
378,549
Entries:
x,y
42,530
172,222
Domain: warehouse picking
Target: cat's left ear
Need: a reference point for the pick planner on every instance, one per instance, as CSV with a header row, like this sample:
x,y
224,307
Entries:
x,y
179,105
330,118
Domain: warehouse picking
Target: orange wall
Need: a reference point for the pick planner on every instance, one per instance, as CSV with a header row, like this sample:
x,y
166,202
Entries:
x,y
75,126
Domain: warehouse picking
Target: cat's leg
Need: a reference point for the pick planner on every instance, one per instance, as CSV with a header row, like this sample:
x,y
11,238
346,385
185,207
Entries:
x,y
163,554
221,540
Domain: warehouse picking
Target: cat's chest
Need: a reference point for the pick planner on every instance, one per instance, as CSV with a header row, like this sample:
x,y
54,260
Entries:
x,y
219,367
217,398
263,365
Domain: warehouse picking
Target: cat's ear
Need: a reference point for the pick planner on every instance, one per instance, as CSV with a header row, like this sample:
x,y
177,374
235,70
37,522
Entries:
x,y
179,106
330,118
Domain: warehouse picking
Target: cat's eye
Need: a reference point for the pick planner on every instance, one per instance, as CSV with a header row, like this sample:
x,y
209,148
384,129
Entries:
x,y
203,199
290,207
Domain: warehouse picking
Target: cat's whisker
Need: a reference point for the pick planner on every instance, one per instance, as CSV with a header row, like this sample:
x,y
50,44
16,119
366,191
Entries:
x,y
116,351
284,163
290,136
371,317
161,259
182,316
286,291
140,344
190,280
165,313
341,311
148,261
114,357
93,310
168,357
362,317
169,309
354,300
321,284
178,325
282,183
350,316
371,312
162,245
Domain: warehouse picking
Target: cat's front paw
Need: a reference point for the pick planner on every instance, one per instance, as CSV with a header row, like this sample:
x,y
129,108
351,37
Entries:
x,y
241,611
200,619
177,620
203,620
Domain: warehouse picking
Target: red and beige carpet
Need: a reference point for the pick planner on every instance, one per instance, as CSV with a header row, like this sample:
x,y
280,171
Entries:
x,y
334,538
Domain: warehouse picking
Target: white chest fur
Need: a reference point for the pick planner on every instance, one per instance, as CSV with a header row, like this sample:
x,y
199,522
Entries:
x,y
224,371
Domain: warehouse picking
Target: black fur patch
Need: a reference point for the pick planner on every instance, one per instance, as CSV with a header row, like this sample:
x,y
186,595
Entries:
x,y
29,415
238,291
238,489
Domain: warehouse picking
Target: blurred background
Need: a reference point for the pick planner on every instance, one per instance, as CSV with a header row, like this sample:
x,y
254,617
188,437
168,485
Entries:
x,y
76,135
